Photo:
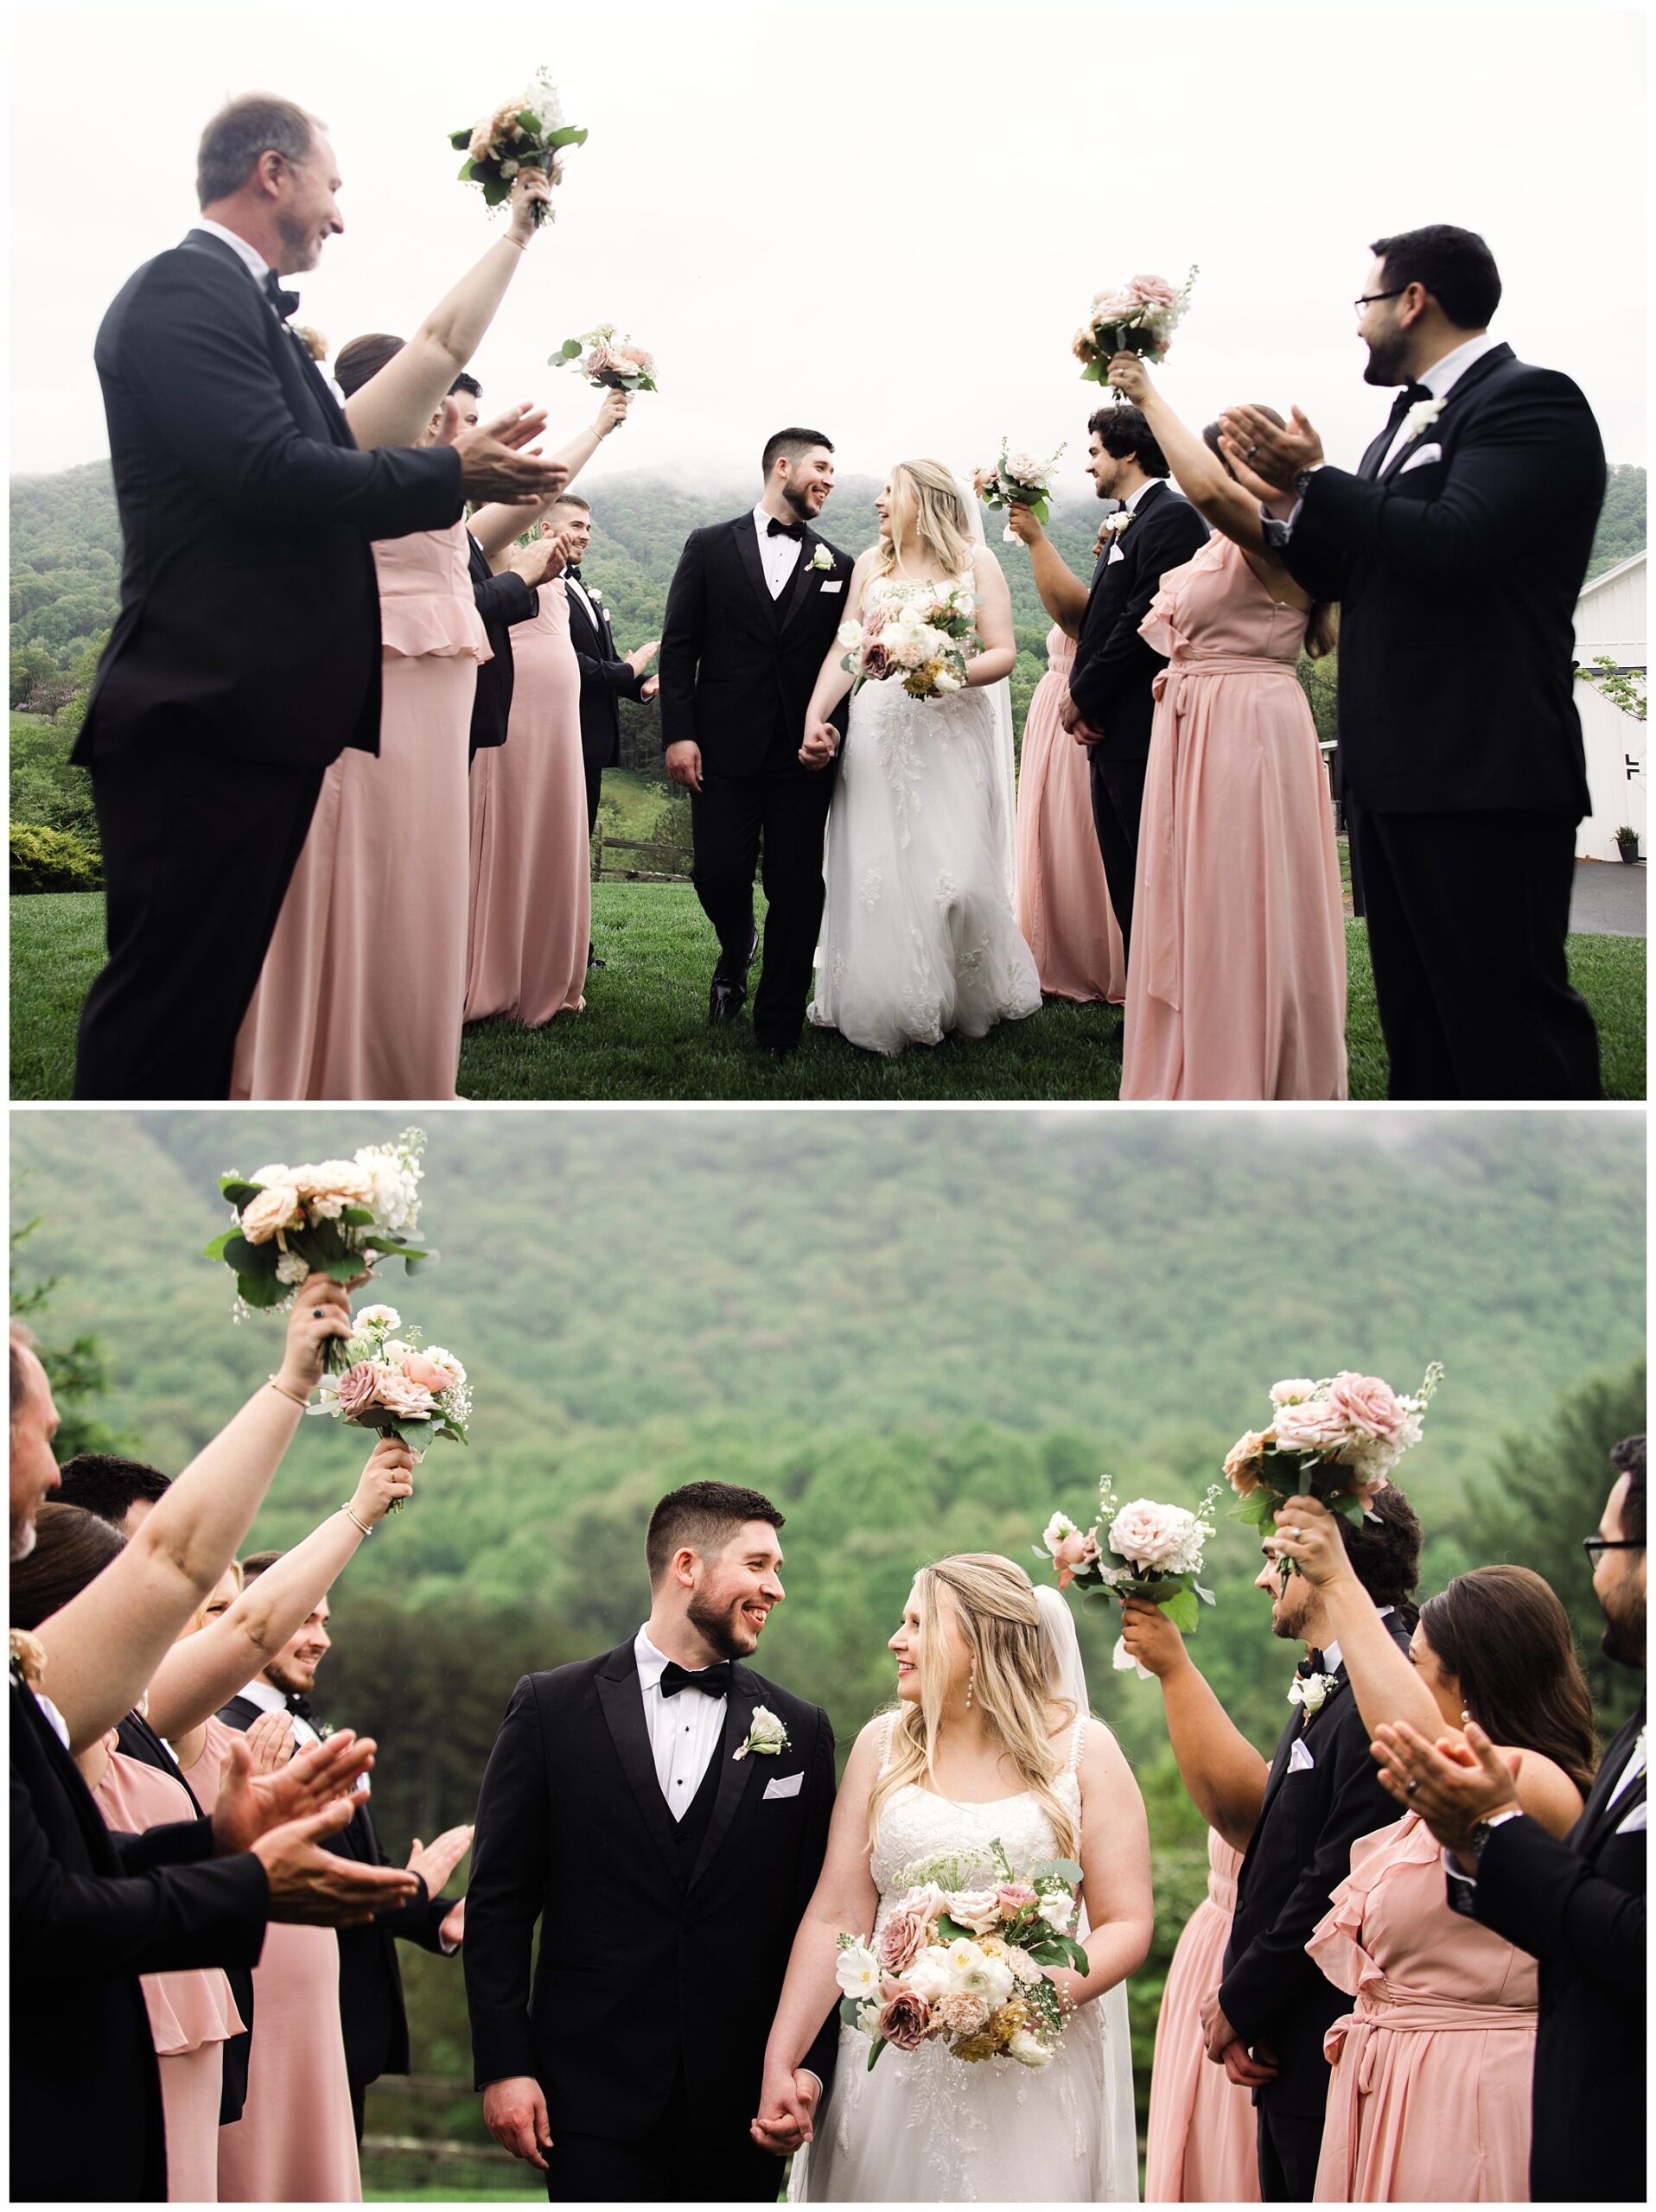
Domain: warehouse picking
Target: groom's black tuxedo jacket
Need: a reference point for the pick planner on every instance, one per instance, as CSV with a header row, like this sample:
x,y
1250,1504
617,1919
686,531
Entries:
x,y
1578,1906
1297,1856
1114,668
662,1949
1457,578
249,611
92,1911
737,666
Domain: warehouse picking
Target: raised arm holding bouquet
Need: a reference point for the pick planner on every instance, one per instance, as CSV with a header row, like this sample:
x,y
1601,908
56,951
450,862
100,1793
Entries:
x,y
1137,317
1017,480
528,132
497,528
612,362
1147,1551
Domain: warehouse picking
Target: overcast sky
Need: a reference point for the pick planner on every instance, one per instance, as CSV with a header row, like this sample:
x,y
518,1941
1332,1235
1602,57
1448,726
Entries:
x,y
884,222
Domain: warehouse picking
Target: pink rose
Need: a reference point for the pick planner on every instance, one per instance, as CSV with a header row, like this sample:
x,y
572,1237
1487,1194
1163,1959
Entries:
x,y
876,618
1368,1405
426,1373
1015,1897
276,1207
398,1394
635,355
1241,1468
1149,1535
1318,1426
1116,307
1070,1551
901,1941
906,2021
1153,291
876,663
360,1388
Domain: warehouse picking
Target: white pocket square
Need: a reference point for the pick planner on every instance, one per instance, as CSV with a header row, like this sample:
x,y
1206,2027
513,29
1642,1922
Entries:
x,y
838,584
1116,554
1634,1823
1419,460
1299,1760
786,1785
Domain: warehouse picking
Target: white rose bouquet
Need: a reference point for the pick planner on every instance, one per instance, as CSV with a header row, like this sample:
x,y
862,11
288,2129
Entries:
x,y
1137,317
963,1960
525,133
392,1384
1138,1550
1336,1440
336,1217
611,362
924,640
1021,480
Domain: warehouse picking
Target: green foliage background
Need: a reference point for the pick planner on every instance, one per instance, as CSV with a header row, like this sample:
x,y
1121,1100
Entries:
x,y
918,1332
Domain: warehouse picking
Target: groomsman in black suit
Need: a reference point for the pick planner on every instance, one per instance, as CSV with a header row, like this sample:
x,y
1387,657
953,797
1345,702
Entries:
x,y
751,613
1457,553
372,2016
619,1810
1577,1905
245,655
1110,708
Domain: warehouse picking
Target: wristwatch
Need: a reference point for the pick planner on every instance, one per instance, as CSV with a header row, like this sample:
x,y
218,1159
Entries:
x,y
1484,1829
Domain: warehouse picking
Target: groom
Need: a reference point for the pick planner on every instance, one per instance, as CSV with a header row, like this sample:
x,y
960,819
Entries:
x,y
751,613
663,1811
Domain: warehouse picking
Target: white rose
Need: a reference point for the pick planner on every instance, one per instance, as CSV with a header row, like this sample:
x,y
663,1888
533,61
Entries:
x,y
857,1971
275,1173
947,682
378,1317
929,1976
1028,2049
978,1909
1294,1392
766,1733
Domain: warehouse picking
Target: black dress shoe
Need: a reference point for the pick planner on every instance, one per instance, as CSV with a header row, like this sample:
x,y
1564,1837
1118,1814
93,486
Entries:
x,y
780,1051
593,960
725,999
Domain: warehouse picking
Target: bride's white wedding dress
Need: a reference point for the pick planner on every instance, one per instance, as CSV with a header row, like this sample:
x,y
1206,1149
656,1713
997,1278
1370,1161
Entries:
x,y
923,2127
919,934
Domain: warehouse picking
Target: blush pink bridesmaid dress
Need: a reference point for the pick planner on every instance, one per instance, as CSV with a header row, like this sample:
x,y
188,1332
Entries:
x,y
1238,987
1201,2147
1064,908
191,2014
1429,2100
296,2141
530,858
363,987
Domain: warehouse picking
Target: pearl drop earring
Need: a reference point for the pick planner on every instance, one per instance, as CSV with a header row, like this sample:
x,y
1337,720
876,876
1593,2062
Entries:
x,y
971,1684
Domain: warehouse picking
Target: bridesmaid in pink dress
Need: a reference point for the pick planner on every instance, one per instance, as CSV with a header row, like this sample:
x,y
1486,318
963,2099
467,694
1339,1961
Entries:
x,y
530,859
1239,988
1202,2147
192,2015
1064,908
296,2141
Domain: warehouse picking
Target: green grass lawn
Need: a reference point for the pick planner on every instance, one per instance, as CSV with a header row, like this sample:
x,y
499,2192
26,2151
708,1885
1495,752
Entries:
x,y
645,1034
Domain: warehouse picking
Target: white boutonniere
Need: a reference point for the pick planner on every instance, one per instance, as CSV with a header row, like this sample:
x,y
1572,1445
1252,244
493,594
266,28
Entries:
x,y
1421,416
324,1732
28,1659
766,1735
1312,1691
821,558
1113,525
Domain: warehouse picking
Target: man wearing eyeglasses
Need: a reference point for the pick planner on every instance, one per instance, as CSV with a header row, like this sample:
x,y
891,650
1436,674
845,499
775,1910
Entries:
x,y
1578,1905
1460,744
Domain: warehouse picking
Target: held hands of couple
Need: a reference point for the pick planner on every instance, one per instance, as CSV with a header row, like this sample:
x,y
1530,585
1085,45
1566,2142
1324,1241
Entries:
x,y
821,742
514,2113
787,2108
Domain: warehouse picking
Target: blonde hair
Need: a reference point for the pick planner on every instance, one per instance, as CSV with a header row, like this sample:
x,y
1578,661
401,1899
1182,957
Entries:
x,y
1014,1683
940,525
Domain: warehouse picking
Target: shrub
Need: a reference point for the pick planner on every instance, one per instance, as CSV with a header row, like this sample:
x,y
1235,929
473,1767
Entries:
x,y
52,860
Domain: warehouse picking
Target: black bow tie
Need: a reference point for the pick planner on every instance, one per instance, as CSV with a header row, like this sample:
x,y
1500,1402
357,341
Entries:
x,y
793,530
712,1681
285,303
1311,1664
299,1705
572,572
1411,396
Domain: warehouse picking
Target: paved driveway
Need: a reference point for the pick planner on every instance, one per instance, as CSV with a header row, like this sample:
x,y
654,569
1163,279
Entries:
x,y
1608,899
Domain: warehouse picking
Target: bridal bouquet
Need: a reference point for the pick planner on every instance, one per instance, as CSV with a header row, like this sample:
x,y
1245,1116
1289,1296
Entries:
x,y
1017,480
527,133
335,1219
1139,317
1147,1551
966,1966
924,640
391,1384
613,362
1337,1440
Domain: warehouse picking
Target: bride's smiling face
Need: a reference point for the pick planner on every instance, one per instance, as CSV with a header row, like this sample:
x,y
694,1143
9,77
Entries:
x,y
907,1643
893,510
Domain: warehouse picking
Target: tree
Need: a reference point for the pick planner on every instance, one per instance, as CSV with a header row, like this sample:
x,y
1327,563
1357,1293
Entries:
x,y
77,1372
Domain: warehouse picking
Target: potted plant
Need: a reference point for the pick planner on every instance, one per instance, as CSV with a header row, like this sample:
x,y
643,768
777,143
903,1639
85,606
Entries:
x,y
1626,838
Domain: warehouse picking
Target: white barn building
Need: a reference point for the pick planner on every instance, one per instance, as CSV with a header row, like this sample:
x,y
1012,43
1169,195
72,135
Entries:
x,y
1610,619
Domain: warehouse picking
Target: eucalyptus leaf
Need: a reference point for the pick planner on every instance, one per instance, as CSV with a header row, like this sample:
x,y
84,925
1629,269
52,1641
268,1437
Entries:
x,y
1056,1870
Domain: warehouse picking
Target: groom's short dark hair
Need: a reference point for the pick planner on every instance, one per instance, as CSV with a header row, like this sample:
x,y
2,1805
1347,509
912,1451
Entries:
x,y
239,133
795,443
1383,1548
1125,435
1628,1458
704,1516
1455,266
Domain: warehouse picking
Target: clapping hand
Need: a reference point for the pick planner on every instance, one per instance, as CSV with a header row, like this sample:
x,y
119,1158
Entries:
x,y
529,187
1452,1786
435,1862
532,561
252,1804
1130,378
788,2105
321,1311
493,466
270,1742
639,659
1251,441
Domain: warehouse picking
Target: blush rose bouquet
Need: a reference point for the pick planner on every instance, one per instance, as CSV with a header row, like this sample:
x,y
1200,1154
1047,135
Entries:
x,y
525,133
393,1383
610,361
1142,1549
336,1217
1336,1440
923,638
1137,317
964,1958
1021,479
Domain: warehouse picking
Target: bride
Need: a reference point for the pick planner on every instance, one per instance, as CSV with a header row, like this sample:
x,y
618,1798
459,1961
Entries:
x,y
991,1742
918,935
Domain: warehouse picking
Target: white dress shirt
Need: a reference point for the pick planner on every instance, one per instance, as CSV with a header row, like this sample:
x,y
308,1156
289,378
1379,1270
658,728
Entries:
x,y
1132,504
685,1730
778,556
574,584
266,1696
250,255
1440,379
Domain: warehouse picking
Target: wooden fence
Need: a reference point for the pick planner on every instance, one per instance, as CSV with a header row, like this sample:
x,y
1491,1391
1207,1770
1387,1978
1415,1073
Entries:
x,y
630,872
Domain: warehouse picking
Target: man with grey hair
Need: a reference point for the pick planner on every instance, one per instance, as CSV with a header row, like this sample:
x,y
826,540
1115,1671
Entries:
x,y
33,1424
245,655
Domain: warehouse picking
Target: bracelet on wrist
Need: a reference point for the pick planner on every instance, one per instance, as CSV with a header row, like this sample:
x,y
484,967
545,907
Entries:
x,y
365,1527
282,1391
